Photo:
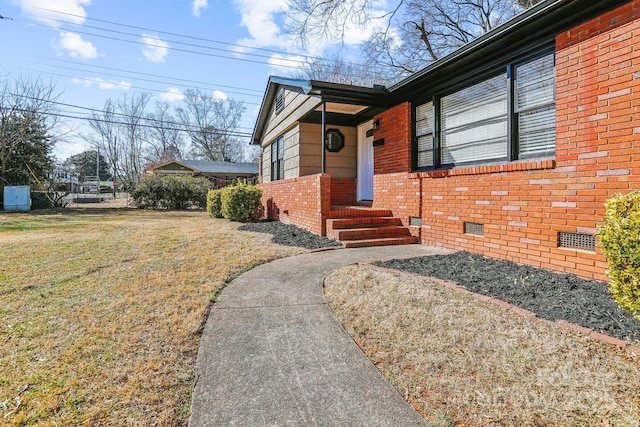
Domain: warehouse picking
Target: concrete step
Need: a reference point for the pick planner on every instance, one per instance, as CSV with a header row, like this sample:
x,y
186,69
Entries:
x,y
381,242
380,221
369,233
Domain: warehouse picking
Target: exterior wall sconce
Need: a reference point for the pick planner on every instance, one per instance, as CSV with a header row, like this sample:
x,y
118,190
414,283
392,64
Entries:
x,y
376,124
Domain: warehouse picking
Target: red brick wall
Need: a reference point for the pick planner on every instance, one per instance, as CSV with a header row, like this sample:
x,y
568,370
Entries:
x,y
395,128
303,201
524,205
343,191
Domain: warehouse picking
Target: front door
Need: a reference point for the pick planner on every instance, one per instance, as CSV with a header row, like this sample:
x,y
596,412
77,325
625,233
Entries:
x,y
365,161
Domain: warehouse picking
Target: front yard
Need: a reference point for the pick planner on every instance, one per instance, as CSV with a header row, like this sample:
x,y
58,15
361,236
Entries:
x,y
100,312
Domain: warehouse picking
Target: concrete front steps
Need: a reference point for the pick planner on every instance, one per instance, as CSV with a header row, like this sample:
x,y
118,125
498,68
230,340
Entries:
x,y
363,226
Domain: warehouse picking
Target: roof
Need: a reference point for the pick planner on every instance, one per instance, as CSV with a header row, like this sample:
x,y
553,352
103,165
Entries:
x,y
536,27
326,91
216,168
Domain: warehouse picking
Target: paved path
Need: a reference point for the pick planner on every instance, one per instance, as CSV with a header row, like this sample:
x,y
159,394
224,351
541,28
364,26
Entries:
x,y
272,352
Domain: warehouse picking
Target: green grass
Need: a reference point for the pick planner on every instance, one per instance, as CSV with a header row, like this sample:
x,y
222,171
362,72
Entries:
x,y
100,311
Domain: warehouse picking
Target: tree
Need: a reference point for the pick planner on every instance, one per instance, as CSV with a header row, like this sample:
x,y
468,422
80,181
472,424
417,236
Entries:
x,y
120,133
337,70
164,136
211,125
410,35
27,116
84,164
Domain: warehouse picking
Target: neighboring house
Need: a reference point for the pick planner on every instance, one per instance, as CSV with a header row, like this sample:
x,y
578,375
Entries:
x,y
507,147
221,173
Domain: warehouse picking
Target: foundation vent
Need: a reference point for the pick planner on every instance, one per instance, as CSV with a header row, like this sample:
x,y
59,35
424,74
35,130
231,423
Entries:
x,y
415,221
474,228
580,241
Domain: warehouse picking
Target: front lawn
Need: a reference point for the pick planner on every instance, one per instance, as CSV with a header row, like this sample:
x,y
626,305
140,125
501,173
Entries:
x,y
101,311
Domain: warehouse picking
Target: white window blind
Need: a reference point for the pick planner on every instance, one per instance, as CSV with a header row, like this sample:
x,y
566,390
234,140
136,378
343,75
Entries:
x,y
535,106
424,133
474,122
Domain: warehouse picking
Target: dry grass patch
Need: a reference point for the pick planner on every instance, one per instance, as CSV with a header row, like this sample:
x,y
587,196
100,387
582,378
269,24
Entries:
x,y
460,361
100,312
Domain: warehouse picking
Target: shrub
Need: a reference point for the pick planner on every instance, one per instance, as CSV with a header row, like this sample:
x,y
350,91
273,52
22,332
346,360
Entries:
x,y
214,203
240,202
172,192
619,237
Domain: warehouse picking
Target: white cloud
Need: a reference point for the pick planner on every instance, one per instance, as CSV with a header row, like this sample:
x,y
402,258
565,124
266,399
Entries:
x,y
172,94
260,18
219,95
155,50
75,46
45,10
197,6
102,84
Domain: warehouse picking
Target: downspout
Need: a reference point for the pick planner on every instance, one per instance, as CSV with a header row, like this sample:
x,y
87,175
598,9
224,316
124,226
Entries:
x,y
324,136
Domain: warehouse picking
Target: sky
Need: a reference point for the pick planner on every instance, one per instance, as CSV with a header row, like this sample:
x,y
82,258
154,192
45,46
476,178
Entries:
x,y
94,50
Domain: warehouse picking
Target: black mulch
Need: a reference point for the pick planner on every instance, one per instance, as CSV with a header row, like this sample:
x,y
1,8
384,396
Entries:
x,y
289,235
550,295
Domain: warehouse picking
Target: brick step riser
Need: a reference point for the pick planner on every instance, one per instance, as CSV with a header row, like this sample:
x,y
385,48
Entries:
x,y
357,213
342,224
371,233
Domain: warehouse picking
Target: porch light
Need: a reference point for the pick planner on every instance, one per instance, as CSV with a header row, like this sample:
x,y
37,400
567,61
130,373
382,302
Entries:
x,y
376,124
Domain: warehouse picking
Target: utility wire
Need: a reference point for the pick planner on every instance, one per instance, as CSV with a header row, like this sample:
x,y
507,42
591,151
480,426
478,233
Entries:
x,y
178,35
149,80
213,55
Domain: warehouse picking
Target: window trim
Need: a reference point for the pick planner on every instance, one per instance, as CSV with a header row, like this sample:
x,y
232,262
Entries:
x,y
512,116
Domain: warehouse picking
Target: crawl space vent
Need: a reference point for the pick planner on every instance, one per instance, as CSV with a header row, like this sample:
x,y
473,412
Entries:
x,y
474,228
580,241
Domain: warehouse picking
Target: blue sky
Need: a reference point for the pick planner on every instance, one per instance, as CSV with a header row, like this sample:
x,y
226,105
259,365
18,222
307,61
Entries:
x,y
99,49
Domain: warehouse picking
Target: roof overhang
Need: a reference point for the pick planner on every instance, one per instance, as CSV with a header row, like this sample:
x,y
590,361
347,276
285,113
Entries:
x,y
346,105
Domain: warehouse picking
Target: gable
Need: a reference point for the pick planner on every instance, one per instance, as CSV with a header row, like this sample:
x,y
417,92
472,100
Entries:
x,y
174,167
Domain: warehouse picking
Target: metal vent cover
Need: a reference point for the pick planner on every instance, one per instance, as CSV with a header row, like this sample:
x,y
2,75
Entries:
x,y
580,241
474,228
415,221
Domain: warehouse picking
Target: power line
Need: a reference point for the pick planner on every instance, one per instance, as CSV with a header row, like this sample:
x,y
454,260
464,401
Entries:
x,y
120,84
176,34
180,49
145,80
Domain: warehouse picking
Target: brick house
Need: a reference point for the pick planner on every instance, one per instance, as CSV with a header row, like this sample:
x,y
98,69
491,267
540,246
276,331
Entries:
x,y
507,147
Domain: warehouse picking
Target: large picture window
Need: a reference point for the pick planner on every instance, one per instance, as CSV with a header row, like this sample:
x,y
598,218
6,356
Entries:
x,y
474,123
277,159
480,124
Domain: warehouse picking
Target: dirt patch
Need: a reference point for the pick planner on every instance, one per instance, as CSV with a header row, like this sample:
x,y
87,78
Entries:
x,y
290,235
550,295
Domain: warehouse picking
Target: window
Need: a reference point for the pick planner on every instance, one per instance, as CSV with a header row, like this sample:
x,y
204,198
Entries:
x,y
424,134
279,104
535,106
480,123
474,123
277,159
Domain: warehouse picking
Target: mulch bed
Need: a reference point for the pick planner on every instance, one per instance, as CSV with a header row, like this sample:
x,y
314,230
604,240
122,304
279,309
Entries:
x,y
290,235
550,295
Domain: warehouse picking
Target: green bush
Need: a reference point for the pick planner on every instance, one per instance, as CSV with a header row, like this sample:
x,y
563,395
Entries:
x,y
172,192
240,202
214,203
619,237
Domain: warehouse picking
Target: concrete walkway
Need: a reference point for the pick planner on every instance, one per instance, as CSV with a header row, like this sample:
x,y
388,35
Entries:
x,y
272,352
